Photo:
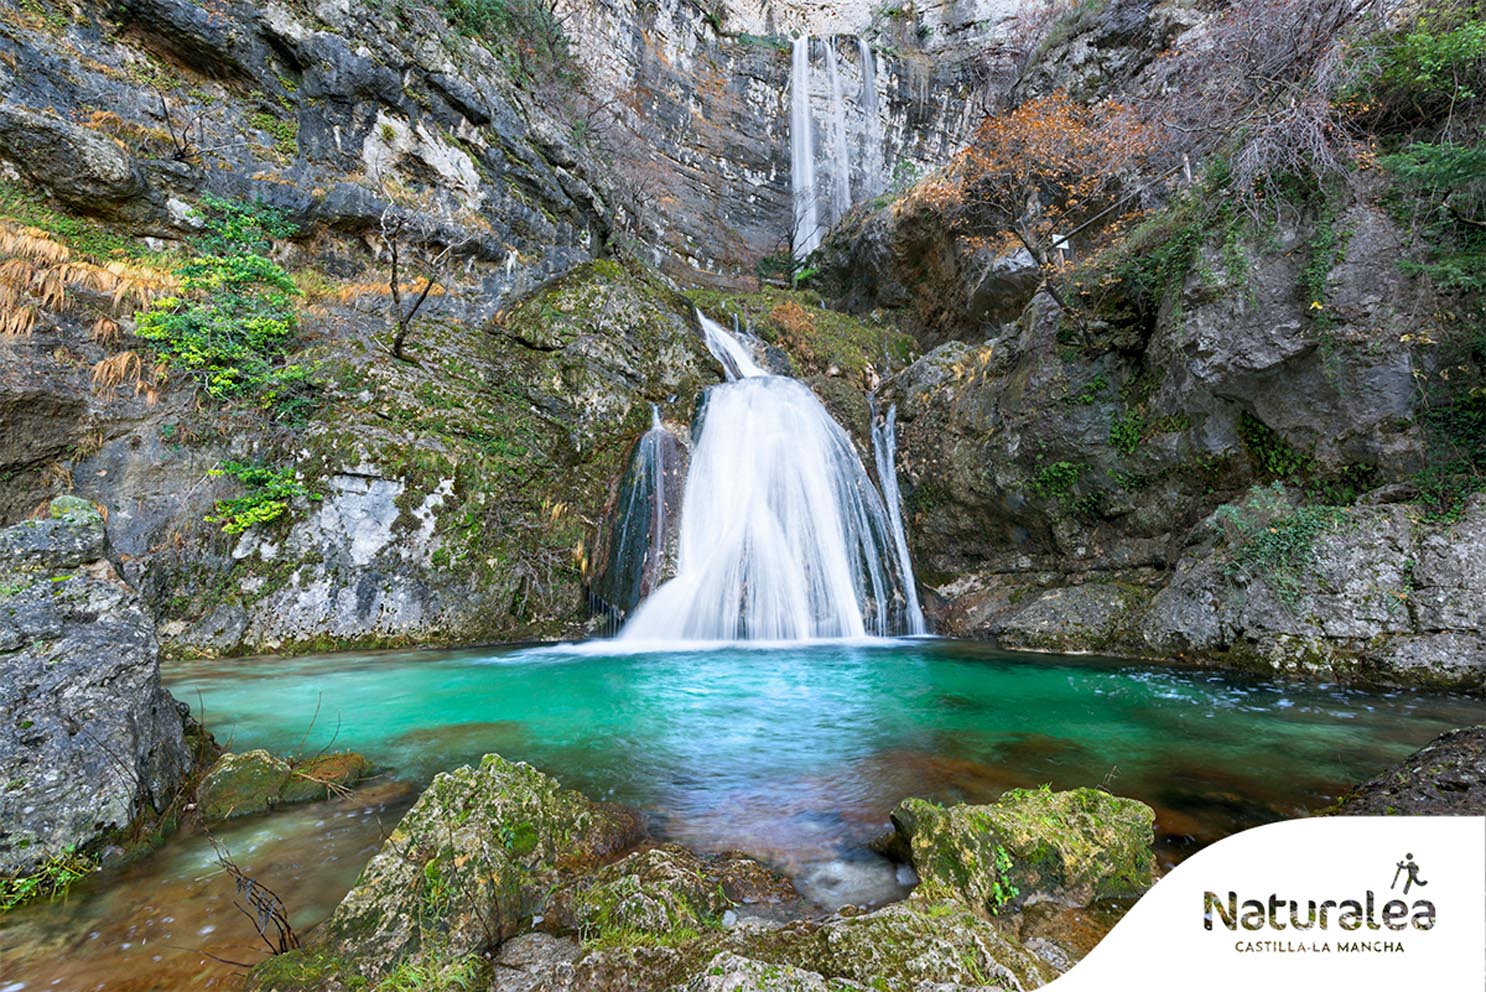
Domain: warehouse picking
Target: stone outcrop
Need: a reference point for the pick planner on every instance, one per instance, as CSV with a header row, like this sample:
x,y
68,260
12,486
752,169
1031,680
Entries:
x,y
1034,845
501,877
88,737
1446,777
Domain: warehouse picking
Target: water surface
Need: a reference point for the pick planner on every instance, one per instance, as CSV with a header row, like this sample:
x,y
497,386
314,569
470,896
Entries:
x,y
795,754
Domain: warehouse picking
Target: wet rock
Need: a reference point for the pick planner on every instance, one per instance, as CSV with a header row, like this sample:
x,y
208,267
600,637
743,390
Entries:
x,y
1446,777
257,781
242,784
322,775
1071,847
469,866
88,737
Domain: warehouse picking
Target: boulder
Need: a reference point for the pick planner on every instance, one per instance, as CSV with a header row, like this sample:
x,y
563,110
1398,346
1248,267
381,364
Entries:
x,y
82,169
470,865
1446,777
88,737
1030,845
665,891
240,784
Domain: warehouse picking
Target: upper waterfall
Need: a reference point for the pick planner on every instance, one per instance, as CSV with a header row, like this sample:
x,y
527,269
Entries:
x,y
850,157
782,536
806,233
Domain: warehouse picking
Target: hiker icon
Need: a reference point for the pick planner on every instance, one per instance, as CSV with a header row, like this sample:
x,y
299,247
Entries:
x,y
1413,879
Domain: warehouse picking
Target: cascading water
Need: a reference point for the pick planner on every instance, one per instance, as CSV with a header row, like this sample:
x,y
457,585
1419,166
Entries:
x,y
644,522
782,534
831,179
807,231
884,451
873,180
836,132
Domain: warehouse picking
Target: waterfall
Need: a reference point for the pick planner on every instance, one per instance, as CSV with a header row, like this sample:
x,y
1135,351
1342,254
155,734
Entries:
x,y
884,451
836,133
872,138
807,231
644,524
782,534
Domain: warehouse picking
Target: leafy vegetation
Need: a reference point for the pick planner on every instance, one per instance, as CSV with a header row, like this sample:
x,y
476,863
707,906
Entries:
x,y
528,35
51,879
270,491
230,327
1272,540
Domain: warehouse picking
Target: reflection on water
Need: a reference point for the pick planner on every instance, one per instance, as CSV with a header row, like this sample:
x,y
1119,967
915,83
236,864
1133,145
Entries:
x,y
793,754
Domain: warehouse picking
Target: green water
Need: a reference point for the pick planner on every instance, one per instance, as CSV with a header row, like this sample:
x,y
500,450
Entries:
x,y
792,754
798,753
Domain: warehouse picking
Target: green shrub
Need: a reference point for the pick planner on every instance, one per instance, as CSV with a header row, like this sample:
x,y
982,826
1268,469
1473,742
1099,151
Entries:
x,y
270,491
231,326
1272,540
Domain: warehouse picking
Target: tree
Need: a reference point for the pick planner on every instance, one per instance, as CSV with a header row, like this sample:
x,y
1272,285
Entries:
x,y
1261,86
418,246
1040,174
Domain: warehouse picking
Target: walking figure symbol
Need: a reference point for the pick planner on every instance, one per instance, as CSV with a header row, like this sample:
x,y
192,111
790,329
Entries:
x,y
1413,879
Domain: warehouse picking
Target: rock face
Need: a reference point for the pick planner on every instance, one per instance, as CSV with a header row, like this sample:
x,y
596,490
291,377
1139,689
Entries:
x,y
500,878
1446,777
1034,845
89,737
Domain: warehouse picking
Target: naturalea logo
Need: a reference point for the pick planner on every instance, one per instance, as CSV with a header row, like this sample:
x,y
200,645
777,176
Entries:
x,y
1365,912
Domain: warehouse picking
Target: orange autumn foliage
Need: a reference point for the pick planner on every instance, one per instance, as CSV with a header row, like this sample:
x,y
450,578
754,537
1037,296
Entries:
x,y
1035,174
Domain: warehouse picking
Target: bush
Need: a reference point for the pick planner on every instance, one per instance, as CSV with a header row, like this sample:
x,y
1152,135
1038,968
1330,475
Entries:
x,y
1273,540
270,491
231,326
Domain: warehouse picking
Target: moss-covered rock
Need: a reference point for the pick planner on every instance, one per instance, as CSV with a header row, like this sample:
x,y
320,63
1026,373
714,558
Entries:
x,y
241,784
663,893
1072,847
729,972
469,865
900,946
317,777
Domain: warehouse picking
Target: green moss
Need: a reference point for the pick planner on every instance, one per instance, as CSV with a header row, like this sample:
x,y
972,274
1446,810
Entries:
x,y
49,879
816,338
304,971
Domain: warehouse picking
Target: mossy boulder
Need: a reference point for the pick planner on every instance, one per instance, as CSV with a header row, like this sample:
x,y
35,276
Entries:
x,y
242,784
729,972
1072,847
317,777
470,864
665,892
906,944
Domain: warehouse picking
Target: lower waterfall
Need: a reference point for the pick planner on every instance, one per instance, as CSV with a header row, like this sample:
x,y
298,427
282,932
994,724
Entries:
x,y
782,536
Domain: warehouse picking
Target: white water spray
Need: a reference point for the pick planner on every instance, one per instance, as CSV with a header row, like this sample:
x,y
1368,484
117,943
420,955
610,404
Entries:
x,y
782,534
836,132
807,232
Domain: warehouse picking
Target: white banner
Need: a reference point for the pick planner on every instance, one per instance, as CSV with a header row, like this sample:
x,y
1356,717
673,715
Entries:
x,y
1391,903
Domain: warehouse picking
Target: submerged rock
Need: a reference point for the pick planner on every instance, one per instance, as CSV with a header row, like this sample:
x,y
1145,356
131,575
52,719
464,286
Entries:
x,y
88,737
1031,845
1446,777
240,784
257,781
